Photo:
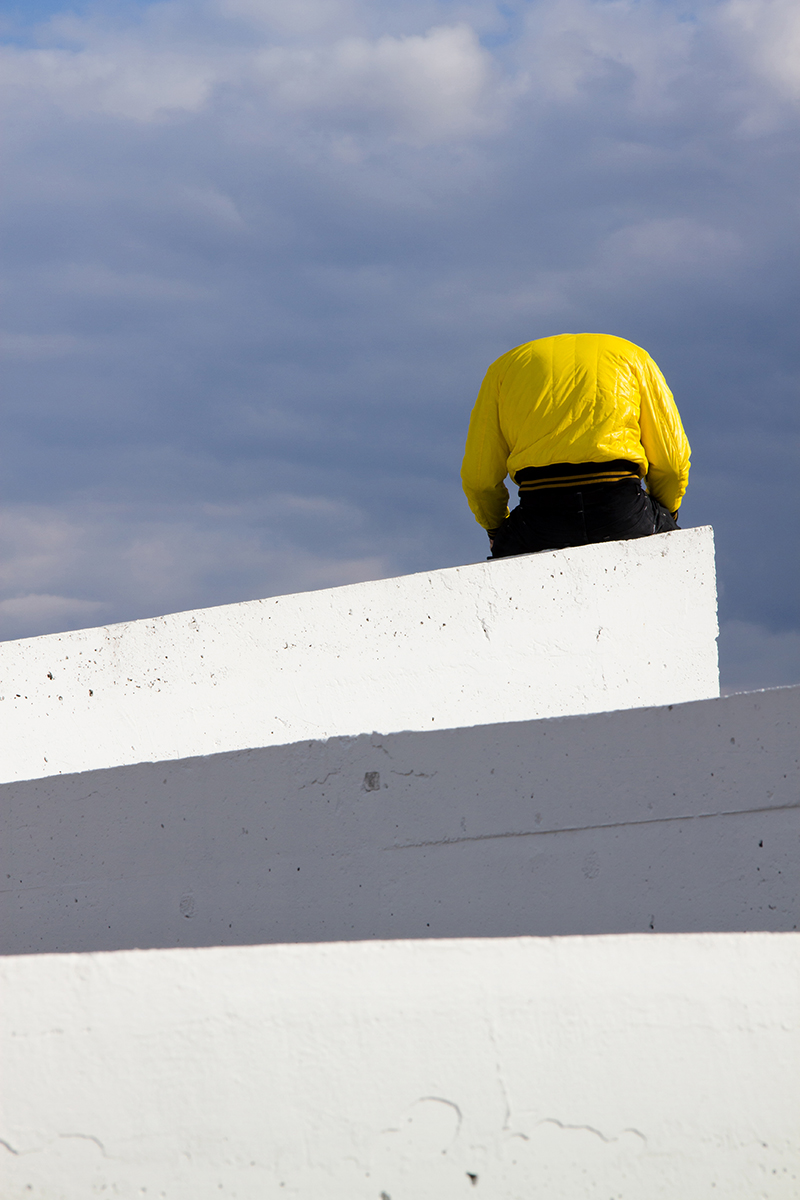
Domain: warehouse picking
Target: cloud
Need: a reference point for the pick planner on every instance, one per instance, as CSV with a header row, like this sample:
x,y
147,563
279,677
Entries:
x,y
260,255
302,18
570,45
679,247
115,563
140,74
753,656
19,615
738,54
766,33
419,88
32,346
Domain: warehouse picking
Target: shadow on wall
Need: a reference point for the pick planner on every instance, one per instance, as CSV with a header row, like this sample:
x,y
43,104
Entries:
x,y
680,818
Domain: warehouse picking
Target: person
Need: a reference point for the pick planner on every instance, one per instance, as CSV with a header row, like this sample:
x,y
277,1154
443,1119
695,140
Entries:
x,y
577,421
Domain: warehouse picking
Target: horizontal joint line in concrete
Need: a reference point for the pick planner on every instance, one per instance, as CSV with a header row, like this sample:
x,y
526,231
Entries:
x,y
491,837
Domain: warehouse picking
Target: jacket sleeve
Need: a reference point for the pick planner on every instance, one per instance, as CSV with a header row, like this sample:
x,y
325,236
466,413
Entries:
x,y
663,439
485,464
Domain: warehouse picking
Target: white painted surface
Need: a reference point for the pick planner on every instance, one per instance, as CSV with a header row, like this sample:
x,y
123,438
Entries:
x,y
683,818
661,1067
600,627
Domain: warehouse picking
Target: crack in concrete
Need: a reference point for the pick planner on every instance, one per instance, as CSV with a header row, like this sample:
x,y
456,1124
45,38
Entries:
x,y
416,774
319,782
591,1129
450,1103
521,833
436,1100
87,1137
500,1078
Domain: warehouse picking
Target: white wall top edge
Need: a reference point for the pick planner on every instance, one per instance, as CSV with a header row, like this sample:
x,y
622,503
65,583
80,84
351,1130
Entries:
x,y
594,628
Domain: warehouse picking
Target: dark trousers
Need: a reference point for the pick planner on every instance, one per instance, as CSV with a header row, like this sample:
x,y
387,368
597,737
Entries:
x,y
553,518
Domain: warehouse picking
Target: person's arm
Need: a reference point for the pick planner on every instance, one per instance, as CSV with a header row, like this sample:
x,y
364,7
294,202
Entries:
x,y
663,439
484,468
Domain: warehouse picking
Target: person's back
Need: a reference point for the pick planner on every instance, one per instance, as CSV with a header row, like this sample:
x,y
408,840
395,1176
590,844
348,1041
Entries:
x,y
577,420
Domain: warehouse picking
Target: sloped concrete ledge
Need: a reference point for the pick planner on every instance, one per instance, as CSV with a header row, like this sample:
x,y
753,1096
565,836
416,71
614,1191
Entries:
x,y
601,627
678,818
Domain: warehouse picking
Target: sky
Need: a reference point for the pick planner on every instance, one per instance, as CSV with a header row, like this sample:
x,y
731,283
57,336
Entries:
x,y
258,256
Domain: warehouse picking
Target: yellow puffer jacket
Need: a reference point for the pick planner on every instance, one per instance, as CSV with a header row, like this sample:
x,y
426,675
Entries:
x,y
575,398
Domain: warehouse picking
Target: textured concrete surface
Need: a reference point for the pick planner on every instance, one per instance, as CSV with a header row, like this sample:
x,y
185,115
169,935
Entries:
x,y
586,630
682,818
627,1067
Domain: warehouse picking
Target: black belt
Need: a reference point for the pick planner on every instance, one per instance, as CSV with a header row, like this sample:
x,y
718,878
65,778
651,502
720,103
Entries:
x,y
575,475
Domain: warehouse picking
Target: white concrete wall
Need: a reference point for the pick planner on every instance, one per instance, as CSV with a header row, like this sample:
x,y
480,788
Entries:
x,y
682,818
665,1068
595,628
